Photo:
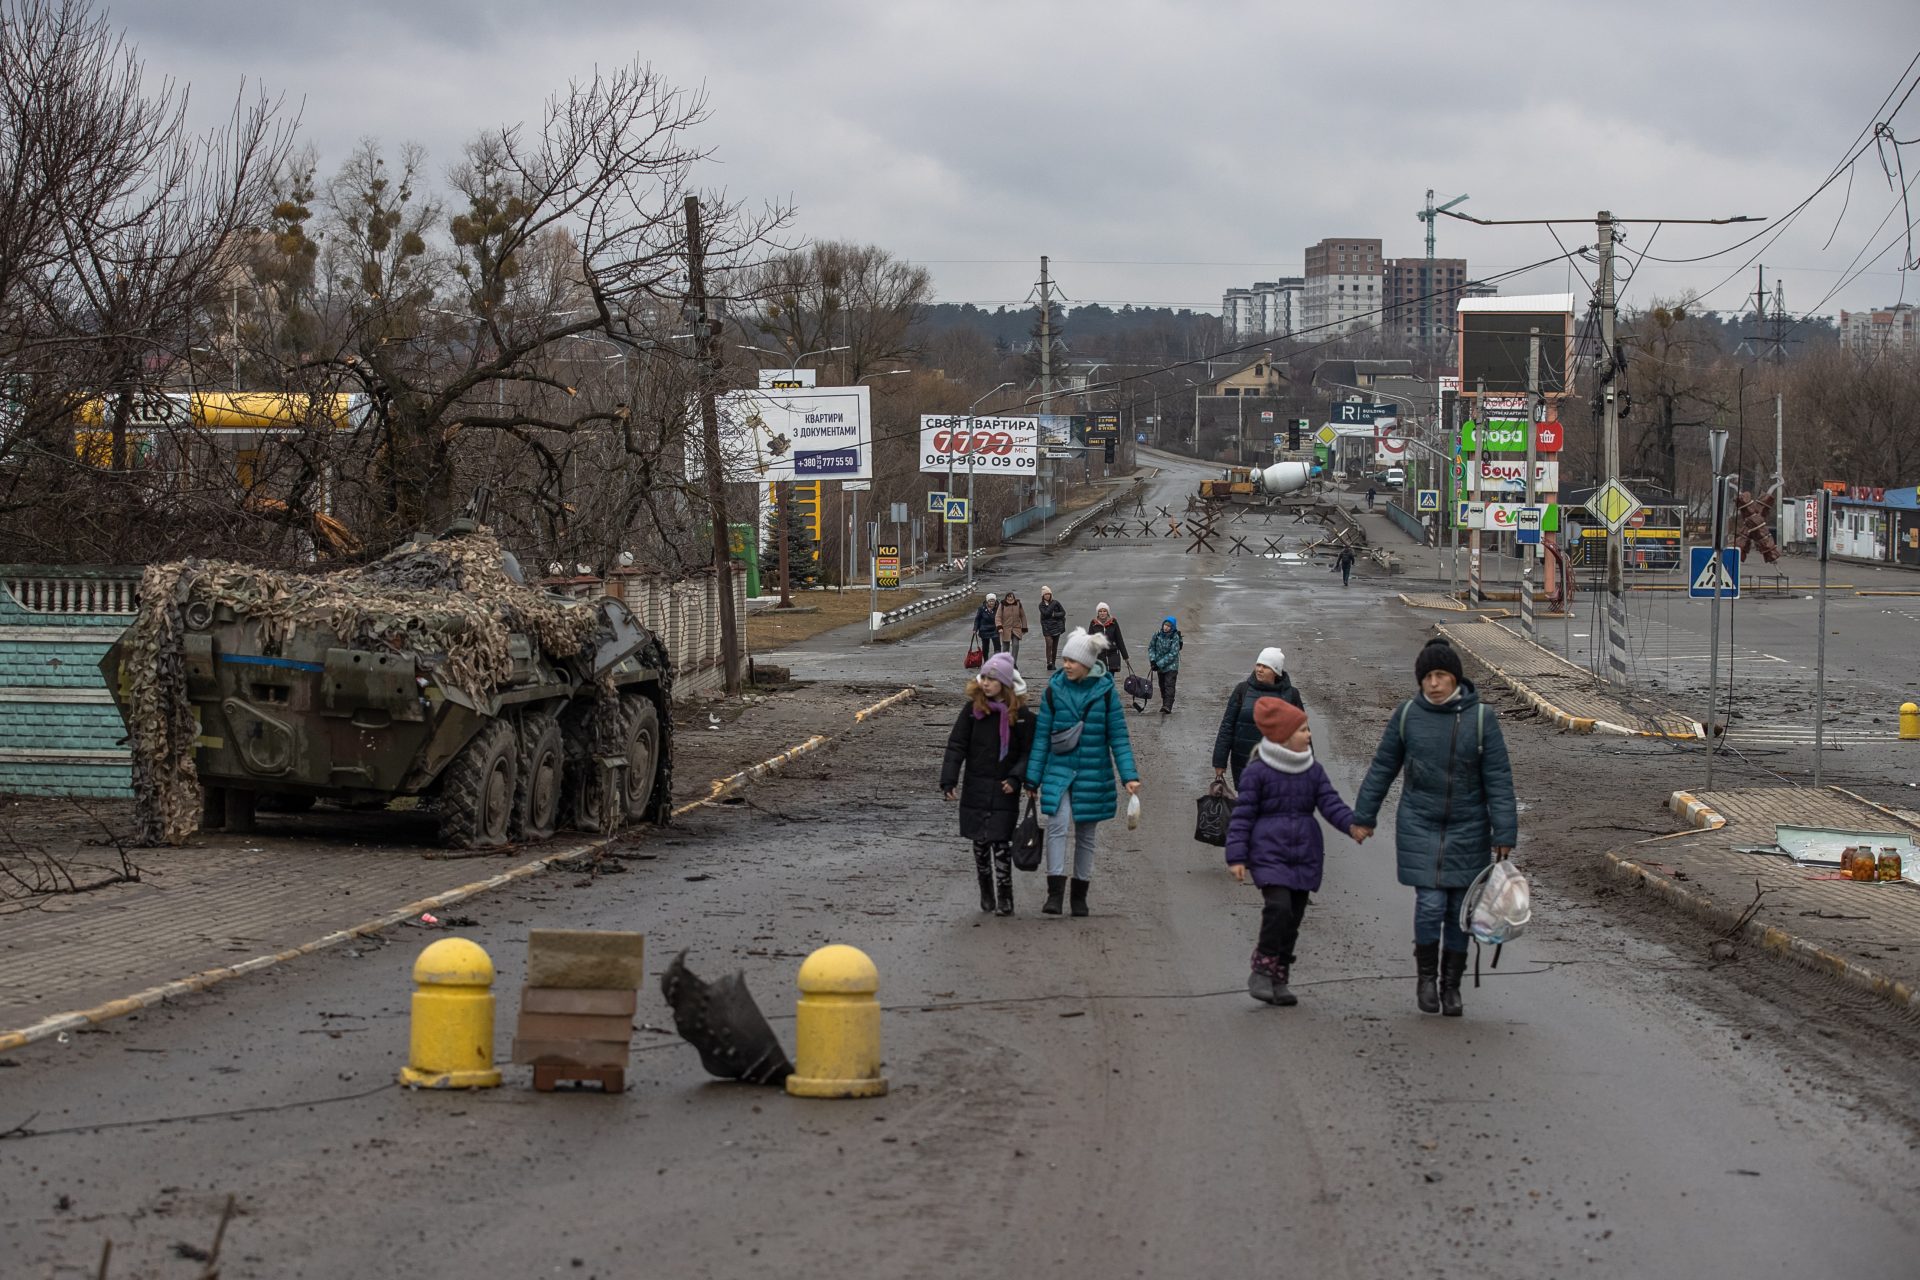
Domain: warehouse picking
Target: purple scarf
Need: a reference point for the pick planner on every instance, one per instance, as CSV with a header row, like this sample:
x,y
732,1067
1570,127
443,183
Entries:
x,y
1006,724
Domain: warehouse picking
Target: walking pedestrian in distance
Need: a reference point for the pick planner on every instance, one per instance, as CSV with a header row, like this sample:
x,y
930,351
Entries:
x,y
1011,622
986,759
1369,497
1163,658
1239,733
1105,624
1053,623
1274,840
1456,811
986,624
1079,740
1344,563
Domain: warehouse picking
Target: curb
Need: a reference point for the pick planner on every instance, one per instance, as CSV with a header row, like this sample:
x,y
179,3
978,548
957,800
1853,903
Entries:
x,y
1769,937
1559,716
1695,812
76,1019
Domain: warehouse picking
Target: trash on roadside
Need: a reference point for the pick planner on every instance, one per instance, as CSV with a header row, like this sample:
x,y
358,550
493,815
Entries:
x,y
721,1021
1863,856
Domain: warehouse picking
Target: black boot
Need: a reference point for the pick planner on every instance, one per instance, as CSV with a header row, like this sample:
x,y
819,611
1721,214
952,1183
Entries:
x,y
983,868
1282,996
1260,978
1452,965
1080,897
1426,955
1056,885
1003,879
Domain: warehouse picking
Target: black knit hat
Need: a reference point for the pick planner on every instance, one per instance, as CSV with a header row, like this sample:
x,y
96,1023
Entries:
x,y
1438,655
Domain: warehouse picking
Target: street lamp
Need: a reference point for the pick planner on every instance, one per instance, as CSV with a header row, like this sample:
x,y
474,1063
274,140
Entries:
x,y
971,450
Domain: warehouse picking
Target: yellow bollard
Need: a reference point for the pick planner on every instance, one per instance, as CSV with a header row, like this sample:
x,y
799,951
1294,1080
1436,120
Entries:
x,y
1909,720
450,1045
837,1027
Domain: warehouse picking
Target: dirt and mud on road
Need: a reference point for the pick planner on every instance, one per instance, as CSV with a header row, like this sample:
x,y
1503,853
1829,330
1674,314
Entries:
x,y
1088,1097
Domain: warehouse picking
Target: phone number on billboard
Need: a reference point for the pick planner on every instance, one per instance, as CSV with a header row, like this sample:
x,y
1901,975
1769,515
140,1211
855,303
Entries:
x,y
1019,460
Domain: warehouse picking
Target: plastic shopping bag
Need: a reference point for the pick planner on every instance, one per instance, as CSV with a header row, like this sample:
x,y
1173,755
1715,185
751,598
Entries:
x,y
1214,811
1133,812
1498,905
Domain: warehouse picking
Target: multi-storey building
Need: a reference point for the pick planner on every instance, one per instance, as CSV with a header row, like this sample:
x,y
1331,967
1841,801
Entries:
x,y
1420,299
1270,308
1895,329
1345,284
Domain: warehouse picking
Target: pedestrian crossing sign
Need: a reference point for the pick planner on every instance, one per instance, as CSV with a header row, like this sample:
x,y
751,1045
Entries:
x,y
1427,500
957,511
1714,573
936,503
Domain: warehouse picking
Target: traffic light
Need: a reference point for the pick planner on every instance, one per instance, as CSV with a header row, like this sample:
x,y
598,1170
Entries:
x,y
1295,428
806,497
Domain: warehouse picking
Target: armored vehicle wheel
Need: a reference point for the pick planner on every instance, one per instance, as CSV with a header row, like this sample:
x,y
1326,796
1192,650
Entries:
x,y
536,804
584,804
643,754
477,789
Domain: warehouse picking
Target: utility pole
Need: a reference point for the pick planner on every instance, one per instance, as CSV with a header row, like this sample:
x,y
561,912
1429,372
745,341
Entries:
x,y
1473,485
1043,474
1533,408
1717,449
1605,302
707,343
1610,442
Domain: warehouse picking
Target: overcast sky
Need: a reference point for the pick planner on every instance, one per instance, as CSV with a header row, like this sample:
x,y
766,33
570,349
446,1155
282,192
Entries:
x,y
1162,152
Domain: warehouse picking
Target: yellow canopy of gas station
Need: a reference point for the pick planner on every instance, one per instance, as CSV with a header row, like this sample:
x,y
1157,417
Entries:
x,y
237,410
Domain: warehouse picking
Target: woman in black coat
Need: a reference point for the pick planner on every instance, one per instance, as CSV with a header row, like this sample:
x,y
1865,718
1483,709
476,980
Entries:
x,y
1238,735
1105,624
990,741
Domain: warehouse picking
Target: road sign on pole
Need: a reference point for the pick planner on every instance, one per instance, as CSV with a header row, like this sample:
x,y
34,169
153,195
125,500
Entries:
x,y
1613,504
1527,527
1326,435
936,503
1427,500
1711,575
958,511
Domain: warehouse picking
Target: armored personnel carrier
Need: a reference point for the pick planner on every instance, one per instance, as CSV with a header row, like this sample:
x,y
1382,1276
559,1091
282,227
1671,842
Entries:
x,y
436,672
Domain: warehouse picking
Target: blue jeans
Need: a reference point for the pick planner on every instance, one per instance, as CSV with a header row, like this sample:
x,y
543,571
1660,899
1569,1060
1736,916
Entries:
x,y
1436,918
1062,830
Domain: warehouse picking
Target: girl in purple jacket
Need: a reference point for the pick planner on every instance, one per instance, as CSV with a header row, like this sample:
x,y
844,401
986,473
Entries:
x,y
1274,838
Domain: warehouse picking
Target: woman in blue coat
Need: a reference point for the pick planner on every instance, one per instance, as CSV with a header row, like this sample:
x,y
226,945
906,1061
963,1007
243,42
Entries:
x,y
1080,739
1456,811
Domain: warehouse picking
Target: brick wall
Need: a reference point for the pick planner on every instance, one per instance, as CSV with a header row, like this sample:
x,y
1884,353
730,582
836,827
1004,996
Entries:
x,y
59,732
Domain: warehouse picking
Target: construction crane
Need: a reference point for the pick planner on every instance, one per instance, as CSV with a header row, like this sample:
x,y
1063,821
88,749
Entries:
x,y
1427,215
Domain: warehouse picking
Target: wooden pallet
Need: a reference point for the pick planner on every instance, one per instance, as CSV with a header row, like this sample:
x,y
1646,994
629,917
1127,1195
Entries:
x,y
610,1079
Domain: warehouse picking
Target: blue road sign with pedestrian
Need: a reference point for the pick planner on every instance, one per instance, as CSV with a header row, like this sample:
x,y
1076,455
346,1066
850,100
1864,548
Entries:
x,y
936,503
1428,500
1709,577
956,512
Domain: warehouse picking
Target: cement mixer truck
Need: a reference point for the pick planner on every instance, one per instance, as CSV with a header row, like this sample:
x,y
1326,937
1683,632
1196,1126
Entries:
x,y
1256,485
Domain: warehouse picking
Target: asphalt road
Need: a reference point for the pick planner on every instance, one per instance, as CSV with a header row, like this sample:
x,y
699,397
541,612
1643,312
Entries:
x,y
1092,1098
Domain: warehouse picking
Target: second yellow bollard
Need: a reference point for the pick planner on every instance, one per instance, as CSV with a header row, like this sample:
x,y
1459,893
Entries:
x,y
450,1045
837,1027
1909,721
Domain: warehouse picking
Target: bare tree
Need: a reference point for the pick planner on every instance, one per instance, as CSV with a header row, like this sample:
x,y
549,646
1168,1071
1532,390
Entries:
x,y
834,294
116,224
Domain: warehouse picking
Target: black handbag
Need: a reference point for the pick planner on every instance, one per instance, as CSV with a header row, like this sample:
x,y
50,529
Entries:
x,y
1029,841
1215,811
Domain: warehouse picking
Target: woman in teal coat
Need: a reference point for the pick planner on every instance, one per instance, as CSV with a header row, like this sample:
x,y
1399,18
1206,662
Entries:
x,y
1081,738
1457,812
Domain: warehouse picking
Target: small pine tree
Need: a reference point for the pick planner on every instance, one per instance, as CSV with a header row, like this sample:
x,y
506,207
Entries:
x,y
803,553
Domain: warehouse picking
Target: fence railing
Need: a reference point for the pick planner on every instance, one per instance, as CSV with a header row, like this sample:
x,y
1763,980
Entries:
x,y
878,622
1099,508
69,592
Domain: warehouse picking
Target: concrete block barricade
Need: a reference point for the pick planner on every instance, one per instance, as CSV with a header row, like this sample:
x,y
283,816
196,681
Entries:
x,y
59,732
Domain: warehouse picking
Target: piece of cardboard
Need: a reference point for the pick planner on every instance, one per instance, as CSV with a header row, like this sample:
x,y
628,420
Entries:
x,y
606,1002
575,1026
585,958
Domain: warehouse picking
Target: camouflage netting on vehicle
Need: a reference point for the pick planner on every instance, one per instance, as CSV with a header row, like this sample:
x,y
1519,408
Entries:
x,y
450,601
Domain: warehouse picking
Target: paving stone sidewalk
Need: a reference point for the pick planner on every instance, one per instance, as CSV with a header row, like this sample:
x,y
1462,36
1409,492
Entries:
x,y
226,899
1867,934
1569,695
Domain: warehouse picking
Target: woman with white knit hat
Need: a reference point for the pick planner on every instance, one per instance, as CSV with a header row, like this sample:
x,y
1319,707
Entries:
x,y
1079,741
1234,744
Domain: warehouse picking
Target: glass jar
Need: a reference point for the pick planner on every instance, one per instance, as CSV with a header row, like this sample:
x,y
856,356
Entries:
x,y
1848,856
1888,865
1864,866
